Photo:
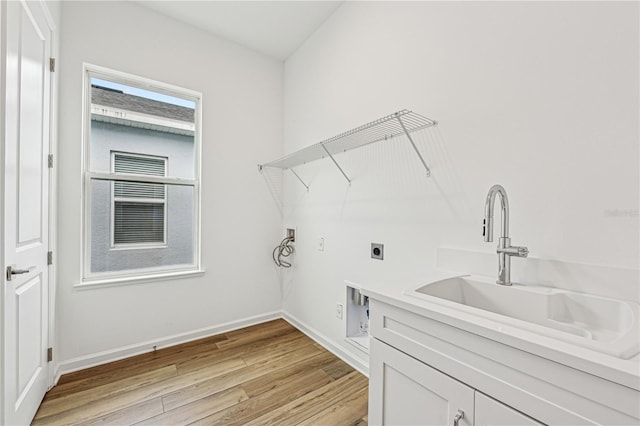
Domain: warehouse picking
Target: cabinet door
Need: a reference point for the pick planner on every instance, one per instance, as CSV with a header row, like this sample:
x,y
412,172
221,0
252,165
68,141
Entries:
x,y
404,391
490,412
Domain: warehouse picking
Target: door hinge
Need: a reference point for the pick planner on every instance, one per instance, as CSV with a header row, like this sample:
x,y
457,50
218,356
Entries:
x,y
50,161
49,258
52,64
49,354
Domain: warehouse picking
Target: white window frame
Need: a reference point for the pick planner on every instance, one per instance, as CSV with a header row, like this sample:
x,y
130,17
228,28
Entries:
x,y
144,245
150,274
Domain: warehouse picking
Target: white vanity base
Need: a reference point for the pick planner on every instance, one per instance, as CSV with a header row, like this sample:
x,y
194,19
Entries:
x,y
425,371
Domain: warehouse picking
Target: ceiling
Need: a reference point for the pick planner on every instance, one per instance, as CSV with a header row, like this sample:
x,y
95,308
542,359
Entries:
x,y
274,28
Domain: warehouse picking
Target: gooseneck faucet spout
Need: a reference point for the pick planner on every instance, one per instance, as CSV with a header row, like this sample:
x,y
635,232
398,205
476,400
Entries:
x,y
505,250
487,231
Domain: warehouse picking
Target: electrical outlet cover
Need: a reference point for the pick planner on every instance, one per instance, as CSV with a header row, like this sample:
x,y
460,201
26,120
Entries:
x,y
377,251
339,310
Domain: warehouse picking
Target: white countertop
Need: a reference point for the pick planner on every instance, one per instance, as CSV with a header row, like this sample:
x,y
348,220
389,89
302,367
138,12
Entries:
x,y
622,371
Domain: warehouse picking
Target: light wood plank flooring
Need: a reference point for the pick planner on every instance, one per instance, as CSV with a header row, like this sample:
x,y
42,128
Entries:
x,y
268,374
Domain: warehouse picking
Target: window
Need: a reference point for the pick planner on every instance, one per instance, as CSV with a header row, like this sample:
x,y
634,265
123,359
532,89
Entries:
x,y
139,209
141,178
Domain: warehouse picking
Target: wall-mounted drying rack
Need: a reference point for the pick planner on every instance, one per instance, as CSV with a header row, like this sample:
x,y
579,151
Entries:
x,y
399,123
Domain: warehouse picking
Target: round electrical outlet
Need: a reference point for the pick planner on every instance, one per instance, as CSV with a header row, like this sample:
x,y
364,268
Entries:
x,y
377,251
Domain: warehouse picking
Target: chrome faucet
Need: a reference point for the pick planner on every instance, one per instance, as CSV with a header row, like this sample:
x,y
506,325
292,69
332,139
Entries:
x,y
505,249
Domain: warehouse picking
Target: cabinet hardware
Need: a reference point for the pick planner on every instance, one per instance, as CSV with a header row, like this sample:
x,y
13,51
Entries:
x,y
459,416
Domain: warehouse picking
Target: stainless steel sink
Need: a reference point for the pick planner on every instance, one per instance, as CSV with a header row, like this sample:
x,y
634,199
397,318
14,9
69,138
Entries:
x,y
599,323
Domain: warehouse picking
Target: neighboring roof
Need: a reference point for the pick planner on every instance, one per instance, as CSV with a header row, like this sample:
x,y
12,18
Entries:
x,y
117,99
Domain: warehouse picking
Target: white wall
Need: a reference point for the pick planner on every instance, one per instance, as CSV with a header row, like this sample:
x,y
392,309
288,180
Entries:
x,y
242,126
541,97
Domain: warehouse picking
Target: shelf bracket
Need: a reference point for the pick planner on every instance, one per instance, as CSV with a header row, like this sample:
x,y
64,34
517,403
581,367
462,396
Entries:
x,y
336,163
414,146
300,179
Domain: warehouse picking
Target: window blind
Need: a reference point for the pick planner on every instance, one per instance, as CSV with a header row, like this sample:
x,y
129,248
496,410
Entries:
x,y
139,208
137,222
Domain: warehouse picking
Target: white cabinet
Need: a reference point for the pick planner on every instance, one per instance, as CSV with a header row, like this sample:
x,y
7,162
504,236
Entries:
x,y
405,391
490,412
423,371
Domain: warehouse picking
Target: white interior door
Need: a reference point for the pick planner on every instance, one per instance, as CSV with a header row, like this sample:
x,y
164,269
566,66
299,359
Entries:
x,y
26,298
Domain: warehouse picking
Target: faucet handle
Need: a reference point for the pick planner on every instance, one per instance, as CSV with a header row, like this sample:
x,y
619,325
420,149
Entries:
x,y
514,251
523,251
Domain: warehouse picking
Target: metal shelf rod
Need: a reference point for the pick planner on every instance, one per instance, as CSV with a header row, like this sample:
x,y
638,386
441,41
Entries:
x,y
336,163
299,178
414,146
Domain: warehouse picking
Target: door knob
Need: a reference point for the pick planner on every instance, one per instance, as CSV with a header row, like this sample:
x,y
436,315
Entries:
x,y
11,271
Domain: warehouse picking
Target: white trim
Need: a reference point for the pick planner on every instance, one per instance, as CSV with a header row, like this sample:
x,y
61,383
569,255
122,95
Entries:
x,y
53,195
49,18
140,178
107,114
99,358
85,189
354,342
3,103
197,175
104,357
144,276
115,76
138,246
328,344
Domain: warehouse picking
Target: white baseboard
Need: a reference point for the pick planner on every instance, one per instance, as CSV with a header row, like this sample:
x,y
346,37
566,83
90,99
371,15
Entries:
x,y
92,360
328,344
99,358
56,375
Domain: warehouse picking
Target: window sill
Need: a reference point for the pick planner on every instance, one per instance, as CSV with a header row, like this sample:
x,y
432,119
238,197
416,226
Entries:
x,y
123,247
139,279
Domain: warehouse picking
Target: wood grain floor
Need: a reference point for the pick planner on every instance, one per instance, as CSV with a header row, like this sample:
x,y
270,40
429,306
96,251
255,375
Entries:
x,y
268,374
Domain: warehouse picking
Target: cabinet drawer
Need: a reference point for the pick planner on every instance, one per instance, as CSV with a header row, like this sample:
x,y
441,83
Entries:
x,y
490,412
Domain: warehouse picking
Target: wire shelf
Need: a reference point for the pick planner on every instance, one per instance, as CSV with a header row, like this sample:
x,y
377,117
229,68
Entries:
x,y
401,123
